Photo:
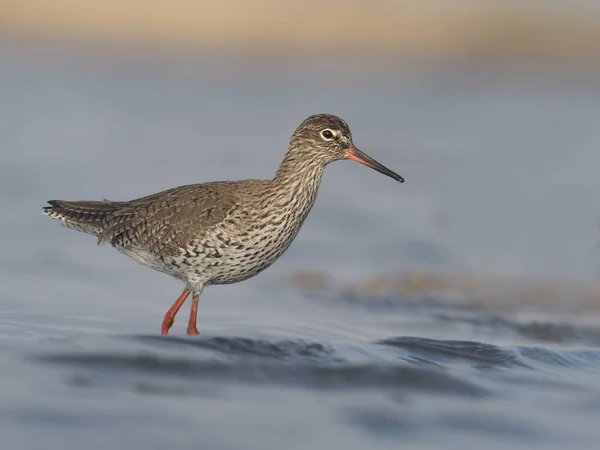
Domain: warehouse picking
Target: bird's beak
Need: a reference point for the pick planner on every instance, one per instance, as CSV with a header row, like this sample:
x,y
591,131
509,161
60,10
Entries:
x,y
356,155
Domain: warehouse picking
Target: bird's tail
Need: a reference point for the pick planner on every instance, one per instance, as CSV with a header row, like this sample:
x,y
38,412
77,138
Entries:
x,y
87,216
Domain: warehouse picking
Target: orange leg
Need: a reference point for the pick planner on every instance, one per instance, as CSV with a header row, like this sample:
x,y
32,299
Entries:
x,y
191,329
170,315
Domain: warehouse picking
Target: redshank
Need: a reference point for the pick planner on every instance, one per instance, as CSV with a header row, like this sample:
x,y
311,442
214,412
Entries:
x,y
225,231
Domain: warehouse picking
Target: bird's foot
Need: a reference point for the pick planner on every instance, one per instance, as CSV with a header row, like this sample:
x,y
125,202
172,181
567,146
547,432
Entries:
x,y
167,323
192,331
172,312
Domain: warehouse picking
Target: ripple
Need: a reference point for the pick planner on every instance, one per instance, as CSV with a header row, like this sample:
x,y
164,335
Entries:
x,y
284,350
244,360
183,366
440,350
538,330
491,356
312,376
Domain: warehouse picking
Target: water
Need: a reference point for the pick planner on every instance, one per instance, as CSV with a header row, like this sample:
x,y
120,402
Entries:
x,y
502,186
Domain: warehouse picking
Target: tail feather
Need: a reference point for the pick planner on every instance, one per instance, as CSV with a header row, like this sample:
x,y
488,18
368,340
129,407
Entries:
x,y
86,216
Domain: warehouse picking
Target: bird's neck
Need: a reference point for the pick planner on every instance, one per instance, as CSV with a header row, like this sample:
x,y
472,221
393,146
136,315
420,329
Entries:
x,y
297,180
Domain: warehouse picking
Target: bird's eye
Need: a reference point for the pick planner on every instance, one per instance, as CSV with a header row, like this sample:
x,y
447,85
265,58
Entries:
x,y
327,134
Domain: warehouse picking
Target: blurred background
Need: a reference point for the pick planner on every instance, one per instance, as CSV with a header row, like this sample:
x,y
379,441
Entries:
x,y
458,309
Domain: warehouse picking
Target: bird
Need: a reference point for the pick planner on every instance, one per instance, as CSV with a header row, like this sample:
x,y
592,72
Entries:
x,y
220,232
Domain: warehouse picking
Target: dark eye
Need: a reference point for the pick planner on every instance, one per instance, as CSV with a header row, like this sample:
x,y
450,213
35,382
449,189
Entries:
x,y
327,134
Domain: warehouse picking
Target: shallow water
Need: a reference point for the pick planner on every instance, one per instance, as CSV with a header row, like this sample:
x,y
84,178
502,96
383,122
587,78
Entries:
x,y
501,169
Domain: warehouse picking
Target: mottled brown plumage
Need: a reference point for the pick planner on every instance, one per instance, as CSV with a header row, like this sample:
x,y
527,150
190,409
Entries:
x,y
220,232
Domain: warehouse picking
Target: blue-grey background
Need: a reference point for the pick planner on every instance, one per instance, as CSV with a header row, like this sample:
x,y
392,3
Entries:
x,y
501,167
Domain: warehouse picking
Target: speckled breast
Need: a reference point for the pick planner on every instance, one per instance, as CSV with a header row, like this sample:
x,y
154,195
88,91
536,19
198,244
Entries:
x,y
233,257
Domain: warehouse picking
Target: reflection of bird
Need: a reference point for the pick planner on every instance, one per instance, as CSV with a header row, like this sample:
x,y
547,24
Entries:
x,y
220,232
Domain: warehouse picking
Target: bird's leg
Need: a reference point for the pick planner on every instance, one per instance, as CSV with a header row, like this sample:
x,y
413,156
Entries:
x,y
170,315
191,329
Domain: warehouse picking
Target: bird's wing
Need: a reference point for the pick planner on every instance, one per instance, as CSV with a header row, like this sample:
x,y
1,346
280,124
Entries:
x,y
169,220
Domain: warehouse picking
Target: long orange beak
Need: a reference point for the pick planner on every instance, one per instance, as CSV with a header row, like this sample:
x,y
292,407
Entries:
x,y
356,155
